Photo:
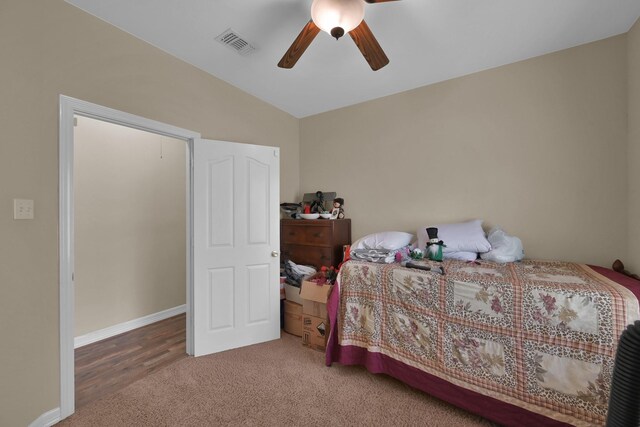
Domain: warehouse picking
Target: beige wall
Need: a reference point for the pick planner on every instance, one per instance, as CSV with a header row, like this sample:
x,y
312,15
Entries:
x,y
49,48
130,224
538,147
633,48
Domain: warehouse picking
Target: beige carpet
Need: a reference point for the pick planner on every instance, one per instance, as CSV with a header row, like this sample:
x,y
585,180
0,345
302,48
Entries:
x,y
270,384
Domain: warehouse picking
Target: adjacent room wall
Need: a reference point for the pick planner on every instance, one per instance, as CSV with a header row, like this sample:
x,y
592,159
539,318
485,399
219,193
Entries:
x,y
538,147
632,263
130,224
51,48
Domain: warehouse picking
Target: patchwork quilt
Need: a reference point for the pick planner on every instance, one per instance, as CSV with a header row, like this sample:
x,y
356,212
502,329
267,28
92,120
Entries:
x,y
537,335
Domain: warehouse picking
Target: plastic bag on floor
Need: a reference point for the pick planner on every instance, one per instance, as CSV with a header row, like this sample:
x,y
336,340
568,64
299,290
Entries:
x,y
505,248
294,273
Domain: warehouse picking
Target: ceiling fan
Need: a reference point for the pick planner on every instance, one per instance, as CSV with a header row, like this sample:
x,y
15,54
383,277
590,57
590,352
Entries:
x,y
338,17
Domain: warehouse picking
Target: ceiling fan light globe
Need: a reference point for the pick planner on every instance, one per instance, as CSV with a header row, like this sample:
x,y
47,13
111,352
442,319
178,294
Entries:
x,y
330,14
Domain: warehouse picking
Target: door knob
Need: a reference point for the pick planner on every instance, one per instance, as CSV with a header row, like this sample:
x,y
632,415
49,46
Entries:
x,y
275,254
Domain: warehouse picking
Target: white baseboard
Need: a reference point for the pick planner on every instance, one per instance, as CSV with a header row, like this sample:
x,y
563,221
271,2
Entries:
x,y
47,419
114,330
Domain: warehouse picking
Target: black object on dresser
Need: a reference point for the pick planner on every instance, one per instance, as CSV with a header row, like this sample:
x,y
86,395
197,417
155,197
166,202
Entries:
x,y
314,242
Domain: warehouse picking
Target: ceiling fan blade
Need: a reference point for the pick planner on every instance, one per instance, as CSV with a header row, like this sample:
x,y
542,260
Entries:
x,y
378,1
368,45
299,45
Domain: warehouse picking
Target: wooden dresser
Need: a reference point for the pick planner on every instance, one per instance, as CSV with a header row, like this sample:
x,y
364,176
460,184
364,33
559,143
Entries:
x,y
314,242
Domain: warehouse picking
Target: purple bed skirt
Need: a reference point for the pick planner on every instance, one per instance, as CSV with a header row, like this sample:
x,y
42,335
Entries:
x,y
487,407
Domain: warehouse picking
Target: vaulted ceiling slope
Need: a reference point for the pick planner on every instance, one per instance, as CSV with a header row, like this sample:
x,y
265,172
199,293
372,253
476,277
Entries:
x,y
427,41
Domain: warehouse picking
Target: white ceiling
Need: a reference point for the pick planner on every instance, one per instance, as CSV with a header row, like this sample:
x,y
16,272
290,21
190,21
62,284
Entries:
x,y
427,41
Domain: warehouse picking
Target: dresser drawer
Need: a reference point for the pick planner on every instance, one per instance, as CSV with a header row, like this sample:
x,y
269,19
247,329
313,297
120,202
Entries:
x,y
315,235
314,242
308,255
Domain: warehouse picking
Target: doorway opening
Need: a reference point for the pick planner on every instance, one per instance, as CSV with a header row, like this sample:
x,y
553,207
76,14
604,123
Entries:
x,y
70,110
130,219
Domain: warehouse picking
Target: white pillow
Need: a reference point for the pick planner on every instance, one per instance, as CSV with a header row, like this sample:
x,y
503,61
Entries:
x,y
390,240
461,255
459,237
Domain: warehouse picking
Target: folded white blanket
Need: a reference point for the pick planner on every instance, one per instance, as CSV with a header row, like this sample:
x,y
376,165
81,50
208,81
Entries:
x,y
382,256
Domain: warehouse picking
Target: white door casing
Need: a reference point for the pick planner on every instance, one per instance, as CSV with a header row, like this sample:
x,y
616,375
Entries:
x,y
236,242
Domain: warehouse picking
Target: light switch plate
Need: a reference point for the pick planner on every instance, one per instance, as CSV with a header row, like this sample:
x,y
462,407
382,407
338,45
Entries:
x,y
22,209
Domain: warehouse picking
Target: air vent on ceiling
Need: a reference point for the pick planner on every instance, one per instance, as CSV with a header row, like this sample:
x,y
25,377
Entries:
x,y
235,41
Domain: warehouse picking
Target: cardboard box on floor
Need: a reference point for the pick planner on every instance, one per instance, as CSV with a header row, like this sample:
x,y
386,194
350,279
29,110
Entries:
x,y
315,331
315,321
292,293
293,318
314,297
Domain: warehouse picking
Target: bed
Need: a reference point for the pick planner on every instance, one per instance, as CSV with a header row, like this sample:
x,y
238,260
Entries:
x,y
529,343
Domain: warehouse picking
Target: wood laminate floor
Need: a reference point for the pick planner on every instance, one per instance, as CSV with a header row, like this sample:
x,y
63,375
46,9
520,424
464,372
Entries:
x,y
109,365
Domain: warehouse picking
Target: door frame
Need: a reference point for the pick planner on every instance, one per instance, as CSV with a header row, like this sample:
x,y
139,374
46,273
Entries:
x,y
69,107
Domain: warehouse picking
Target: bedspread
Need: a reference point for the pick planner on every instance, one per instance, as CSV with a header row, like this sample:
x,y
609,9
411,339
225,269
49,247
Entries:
x,y
536,335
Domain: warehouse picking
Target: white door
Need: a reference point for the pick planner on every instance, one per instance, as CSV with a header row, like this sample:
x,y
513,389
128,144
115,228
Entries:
x,y
236,292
